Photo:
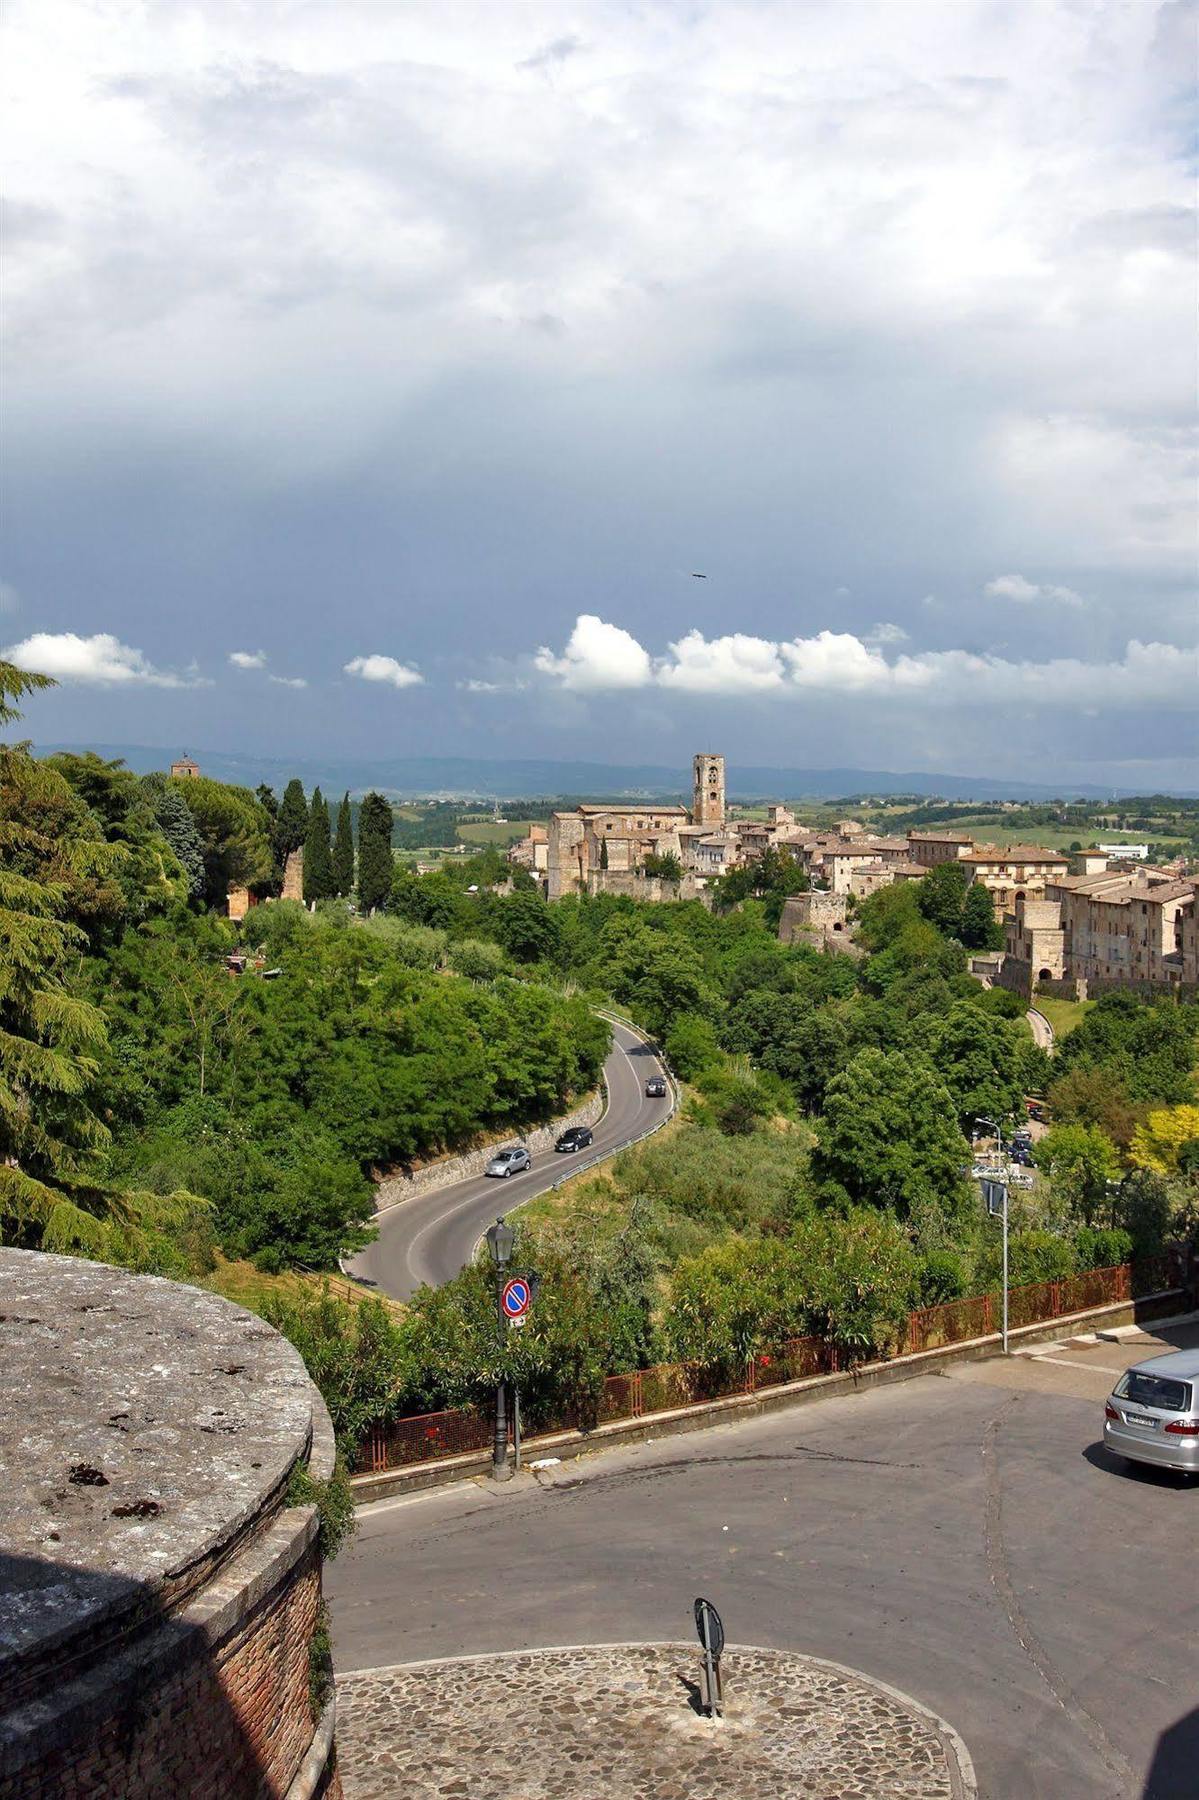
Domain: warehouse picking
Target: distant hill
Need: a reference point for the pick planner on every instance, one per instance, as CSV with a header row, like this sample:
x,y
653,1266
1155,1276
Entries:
x,y
454,777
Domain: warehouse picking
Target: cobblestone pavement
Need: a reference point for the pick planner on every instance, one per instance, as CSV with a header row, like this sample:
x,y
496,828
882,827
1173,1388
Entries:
x,y
621,1722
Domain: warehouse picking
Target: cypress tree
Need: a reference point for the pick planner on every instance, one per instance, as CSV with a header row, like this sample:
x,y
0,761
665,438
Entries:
x,y
374,852
318,864
343,850
178,827
291,825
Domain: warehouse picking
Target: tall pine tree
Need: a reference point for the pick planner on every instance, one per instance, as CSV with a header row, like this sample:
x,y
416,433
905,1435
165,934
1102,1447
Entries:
x,y
178,827
374,852
291,823
343,850
318,863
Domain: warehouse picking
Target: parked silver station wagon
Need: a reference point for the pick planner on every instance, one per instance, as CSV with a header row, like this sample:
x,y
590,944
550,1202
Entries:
x,y
1152,1415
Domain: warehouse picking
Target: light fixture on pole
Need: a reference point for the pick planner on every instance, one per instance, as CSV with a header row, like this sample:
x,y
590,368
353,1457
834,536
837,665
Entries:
x,y
995,1194
499,1239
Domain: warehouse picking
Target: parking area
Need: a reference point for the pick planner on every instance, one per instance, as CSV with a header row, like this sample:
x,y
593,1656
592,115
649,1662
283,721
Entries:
x,y
963,1537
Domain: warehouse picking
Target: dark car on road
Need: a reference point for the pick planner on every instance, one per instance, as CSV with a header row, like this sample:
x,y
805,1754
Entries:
x,y
655,1088
513,1161
576,1138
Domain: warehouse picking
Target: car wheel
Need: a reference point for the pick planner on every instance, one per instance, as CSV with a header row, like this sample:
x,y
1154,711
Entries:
x,y
507,1172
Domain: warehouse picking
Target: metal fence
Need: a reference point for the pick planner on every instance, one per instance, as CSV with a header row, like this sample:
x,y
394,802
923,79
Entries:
x,y
666,1386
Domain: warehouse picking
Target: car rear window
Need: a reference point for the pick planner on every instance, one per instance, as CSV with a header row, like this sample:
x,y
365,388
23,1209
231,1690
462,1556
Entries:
x,y
1155,1390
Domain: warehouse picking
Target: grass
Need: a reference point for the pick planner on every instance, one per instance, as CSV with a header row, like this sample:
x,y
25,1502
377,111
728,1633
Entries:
x,y
489,831
1064,1015
247,1286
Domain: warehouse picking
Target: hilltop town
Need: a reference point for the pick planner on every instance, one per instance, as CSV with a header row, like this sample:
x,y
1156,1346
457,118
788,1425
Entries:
x,y
1076,925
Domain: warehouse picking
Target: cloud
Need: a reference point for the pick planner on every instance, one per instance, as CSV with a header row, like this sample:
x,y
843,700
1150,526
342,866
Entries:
x,y
886,634
384,668
597,655
601,657
101,660
248,659
291,681
1015,587
10,600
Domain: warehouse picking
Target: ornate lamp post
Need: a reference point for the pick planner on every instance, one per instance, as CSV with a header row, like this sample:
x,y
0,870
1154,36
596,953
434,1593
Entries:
x,y
499,1240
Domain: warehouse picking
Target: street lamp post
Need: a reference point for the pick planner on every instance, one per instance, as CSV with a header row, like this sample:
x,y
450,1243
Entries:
x,y
499,1239
994,1190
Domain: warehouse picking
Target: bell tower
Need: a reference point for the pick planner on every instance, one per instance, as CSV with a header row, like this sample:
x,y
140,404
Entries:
x,y
707,801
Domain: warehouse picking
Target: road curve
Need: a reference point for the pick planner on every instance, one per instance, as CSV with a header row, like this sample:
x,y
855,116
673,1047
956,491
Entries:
x,y
430,1238
1042,1030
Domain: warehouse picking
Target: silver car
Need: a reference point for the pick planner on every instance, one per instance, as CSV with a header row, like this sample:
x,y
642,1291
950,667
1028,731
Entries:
x,y
1152,1415
513,1161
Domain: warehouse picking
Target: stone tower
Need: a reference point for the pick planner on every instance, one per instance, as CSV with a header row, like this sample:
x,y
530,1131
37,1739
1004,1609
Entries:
x,y
707,804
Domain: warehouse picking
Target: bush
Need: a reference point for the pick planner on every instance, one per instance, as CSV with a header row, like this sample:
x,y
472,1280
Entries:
x,y
940,1276
1102,1248
1032,1256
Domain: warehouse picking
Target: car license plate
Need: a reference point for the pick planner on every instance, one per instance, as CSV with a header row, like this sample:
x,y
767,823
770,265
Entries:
x,y
1135,1419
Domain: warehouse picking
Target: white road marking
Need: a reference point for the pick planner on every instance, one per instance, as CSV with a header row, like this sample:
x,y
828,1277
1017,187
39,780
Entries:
x,y
1070,1362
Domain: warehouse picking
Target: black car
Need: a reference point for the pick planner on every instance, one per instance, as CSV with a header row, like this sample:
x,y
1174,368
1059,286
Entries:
x,y
577,1138
655,1088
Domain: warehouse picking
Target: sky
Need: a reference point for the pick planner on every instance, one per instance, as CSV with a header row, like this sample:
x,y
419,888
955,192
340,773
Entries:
x,y
809,382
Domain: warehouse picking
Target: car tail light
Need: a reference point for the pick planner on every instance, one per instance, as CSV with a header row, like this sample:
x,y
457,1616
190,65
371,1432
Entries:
x,y
1109,1411
1181,1428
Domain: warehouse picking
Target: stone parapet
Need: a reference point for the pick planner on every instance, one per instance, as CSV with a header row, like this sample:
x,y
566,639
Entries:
x,y
161,1598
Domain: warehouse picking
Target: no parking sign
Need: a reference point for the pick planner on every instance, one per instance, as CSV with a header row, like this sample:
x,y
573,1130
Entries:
x,y
516,1299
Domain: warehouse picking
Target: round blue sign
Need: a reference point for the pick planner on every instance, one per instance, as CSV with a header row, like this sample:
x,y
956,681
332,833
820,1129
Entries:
x,y
516,1298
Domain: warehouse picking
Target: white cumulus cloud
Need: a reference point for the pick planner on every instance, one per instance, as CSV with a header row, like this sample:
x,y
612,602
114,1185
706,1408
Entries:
x,y
600,656
248,659
597,655
1015,587
384,668
291,681
101,660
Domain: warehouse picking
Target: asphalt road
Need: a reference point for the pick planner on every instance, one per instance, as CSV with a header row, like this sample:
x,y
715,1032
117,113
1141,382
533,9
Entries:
x,y
429,1238
963,1537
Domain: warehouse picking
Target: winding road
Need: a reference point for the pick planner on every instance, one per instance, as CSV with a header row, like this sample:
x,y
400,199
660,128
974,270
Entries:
x,y
429,1238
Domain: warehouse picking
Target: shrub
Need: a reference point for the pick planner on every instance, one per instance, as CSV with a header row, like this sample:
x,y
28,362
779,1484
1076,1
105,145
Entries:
x,y
1097,1248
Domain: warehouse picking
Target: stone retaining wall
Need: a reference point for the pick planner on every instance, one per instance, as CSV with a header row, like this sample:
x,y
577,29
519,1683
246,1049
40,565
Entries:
x,y
403,1185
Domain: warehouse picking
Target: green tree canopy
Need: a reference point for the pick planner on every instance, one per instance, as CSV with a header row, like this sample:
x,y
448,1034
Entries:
x,y
291,822
979,929
343,850
234,831
375,861
318,860
889,1135
978,1058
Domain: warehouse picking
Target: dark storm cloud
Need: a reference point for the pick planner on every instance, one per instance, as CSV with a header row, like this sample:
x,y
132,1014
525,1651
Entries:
x,y
406,340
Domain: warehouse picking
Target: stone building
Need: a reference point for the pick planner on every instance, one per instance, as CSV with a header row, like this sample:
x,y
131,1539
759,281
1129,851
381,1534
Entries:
x,y
817,917
185,769
928,848
1019,872
1119,928
161,1625
603,848
532,852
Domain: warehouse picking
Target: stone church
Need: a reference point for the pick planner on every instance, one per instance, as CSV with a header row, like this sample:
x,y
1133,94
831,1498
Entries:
x,y
602,849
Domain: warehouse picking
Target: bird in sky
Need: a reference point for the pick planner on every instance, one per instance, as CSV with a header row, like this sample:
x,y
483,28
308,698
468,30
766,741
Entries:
x,y
695,576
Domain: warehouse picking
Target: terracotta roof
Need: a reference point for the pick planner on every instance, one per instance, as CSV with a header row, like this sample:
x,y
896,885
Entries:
x,y
1016,853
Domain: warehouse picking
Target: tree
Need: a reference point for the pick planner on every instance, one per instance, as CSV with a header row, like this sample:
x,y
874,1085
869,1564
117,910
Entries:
x,y
888,1135
1080,1162
234,833
375,861
1159,1144
52,1195
666,867
942,896
343,850
980,929
318,863
1095,1096
978,1058
291,823
179,829
526,927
